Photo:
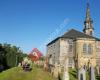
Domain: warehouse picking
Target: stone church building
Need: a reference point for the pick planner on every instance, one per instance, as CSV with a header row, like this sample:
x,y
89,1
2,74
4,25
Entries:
x,y
81,48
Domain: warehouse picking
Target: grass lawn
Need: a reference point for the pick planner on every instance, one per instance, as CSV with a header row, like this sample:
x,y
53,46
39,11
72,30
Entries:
x,y
19,74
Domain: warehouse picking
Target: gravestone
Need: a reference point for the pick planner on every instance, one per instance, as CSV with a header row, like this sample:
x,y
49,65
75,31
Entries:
x,y
27,64
92,73
98,70
55,70
66,75
82,74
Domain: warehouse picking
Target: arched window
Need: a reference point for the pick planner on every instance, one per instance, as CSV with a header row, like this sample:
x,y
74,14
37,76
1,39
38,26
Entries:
x,y
90,32
84,48
89,49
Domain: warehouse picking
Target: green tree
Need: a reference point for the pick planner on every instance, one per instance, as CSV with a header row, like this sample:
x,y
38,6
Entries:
x,y
10,55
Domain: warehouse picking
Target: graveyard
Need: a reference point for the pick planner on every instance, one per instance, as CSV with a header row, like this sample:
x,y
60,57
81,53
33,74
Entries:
x,y
34,66
30,70
37,73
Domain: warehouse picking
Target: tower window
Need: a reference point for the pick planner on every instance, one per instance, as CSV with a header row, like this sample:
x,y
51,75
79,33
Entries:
x,y
90,32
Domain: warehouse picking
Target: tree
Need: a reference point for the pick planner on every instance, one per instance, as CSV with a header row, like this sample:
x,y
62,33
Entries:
x,y
10,55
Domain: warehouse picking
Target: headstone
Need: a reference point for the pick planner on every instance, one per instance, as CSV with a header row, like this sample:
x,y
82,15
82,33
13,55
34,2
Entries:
x,y
92,73
98,70
27,64
66,75
82,74
19,65
56,70
73,66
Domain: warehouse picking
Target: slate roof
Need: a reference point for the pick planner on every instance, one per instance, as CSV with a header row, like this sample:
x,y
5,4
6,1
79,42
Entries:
x,y
73,34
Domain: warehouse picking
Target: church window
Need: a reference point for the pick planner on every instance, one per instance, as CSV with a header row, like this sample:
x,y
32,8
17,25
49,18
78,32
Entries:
x,y
84,48
50,59
54,58
70,60
70,47
90,32
89,49
70,41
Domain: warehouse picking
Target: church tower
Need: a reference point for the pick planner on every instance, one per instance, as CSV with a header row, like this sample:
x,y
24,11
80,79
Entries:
x,y
88,27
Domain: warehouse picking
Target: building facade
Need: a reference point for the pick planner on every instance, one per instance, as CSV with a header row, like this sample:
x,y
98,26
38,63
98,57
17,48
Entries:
x,y
81,48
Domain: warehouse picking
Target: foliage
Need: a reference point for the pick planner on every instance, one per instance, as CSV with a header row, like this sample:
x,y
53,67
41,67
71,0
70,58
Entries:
x,y
97,77
72,74
10,56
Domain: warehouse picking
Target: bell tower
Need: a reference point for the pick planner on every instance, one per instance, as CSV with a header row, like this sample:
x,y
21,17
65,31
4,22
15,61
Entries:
x,y
88,27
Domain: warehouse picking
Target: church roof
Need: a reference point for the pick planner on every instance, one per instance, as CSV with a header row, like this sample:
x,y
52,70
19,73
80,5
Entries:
x,y
73,34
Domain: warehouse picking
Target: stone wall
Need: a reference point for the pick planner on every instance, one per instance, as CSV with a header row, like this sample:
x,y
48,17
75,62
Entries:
x,y
98,53
53,52
67,48
59,49
87,59
56,55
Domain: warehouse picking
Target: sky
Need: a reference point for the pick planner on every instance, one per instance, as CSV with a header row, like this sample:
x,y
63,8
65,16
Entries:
x,y
34,23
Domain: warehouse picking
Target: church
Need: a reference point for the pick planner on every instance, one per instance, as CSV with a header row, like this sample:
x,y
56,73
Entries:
x,y
81,48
